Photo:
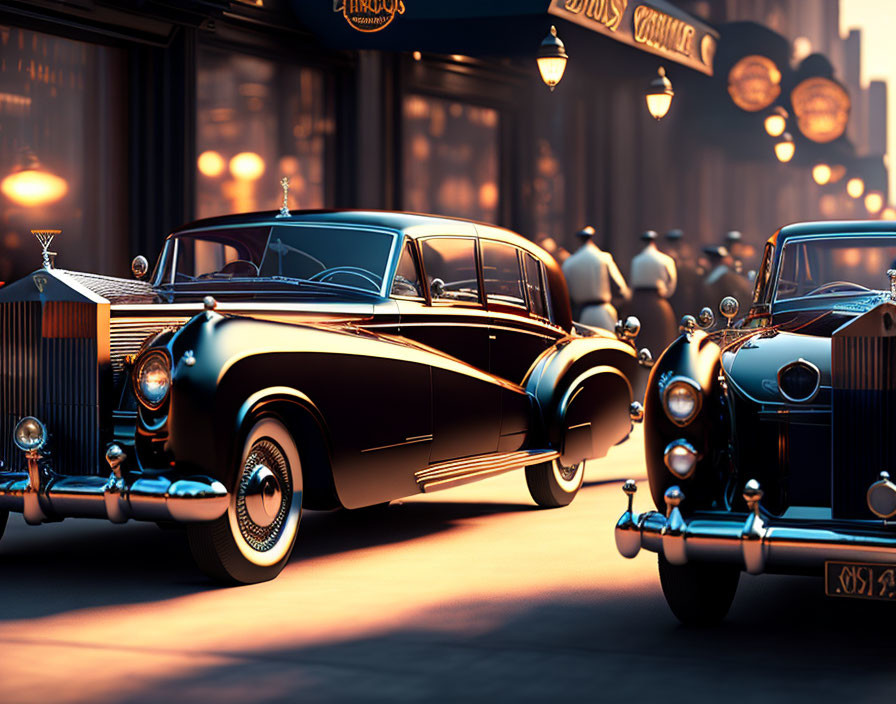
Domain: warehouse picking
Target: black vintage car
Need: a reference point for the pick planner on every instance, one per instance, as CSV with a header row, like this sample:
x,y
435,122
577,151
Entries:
x,y
306,359
768,446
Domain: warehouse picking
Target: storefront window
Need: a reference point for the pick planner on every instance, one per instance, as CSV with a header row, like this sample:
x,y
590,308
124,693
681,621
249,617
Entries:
x,y
63,153
450,158
257,121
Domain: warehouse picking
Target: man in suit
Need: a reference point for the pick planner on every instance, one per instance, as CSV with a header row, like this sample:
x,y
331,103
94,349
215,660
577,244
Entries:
x,y
594,281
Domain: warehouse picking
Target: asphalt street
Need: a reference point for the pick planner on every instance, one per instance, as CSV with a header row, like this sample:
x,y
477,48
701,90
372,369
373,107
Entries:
x,y
468,594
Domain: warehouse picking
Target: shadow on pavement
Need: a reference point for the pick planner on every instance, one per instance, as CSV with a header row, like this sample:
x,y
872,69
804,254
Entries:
x,y
79,564
783,641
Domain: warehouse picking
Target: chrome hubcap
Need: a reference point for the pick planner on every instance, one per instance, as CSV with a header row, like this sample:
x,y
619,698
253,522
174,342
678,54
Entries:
x,y
568,473
264,495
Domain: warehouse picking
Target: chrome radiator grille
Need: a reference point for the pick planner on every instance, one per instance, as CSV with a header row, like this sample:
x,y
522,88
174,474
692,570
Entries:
x,y
49,368
863,371
127,335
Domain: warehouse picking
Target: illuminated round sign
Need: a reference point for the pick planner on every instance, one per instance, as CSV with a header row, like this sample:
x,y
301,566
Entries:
x,y
821,107
369,15
754,83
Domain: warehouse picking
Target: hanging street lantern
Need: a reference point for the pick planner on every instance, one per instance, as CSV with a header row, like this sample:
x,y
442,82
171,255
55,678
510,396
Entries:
x,y
855,187
874,201
551,59
784,147
821,173
659,95
776,122
30,185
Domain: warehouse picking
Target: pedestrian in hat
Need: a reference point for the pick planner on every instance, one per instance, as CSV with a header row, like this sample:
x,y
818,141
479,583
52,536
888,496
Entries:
x,y
594,281
686,298
654,278
722,280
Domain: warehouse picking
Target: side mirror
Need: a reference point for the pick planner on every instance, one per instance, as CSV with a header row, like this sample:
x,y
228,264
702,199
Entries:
x,y
728,308
437,286
139,266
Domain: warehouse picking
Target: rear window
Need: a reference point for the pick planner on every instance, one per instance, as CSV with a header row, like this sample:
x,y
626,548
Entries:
x,y
502,274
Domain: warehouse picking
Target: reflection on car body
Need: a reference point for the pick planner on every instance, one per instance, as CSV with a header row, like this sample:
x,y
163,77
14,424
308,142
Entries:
x,y
311,359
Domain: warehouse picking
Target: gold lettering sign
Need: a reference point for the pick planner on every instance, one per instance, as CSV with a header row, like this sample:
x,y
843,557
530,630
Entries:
x,y
661,31
369,15
754,83
821,107
606,12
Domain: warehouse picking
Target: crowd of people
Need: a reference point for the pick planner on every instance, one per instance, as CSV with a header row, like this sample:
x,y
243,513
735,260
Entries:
x,y
668,280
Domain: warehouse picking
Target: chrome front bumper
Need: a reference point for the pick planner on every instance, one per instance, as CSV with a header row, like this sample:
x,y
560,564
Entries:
x,y
747,541
42,496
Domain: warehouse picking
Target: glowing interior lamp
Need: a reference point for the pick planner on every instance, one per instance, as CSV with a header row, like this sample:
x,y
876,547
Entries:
x,y
776,122
247,166
31,186
211,164
551,59
784,147
659,95
888,213
874,201
855,187
821,173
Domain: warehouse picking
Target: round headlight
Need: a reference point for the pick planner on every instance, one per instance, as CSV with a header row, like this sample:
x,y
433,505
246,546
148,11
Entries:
x,y
152,379
798,381
681,458
681,399
30,434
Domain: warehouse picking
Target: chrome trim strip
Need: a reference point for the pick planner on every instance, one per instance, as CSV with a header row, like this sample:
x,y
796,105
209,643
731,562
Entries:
x,y
407,441
455,472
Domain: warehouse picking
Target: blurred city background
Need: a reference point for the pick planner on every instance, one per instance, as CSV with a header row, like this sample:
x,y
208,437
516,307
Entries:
x,y
120,121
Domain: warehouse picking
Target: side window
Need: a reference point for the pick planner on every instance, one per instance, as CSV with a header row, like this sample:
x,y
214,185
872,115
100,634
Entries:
x,y
535,286
407,280
450,264
501,274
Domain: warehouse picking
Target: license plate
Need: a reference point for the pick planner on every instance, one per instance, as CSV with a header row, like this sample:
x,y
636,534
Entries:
x,y
860,580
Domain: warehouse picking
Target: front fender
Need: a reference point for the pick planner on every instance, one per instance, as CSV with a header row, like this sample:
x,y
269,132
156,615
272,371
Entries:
x,y
694,355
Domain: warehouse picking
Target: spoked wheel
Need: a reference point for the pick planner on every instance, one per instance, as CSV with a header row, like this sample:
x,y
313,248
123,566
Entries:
x,y
553,484
253,540
699,594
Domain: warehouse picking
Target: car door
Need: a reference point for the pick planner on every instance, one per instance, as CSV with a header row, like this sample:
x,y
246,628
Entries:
x,y
466,402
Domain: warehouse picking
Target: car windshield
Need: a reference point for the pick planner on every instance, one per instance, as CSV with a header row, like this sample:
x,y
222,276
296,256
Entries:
x,y
339,256
834,266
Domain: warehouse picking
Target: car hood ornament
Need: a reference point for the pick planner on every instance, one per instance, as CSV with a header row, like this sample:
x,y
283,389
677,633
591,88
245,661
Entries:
x,y
284,209
45,237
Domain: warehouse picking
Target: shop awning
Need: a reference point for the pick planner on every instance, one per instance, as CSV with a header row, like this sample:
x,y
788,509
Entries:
x,y
506,27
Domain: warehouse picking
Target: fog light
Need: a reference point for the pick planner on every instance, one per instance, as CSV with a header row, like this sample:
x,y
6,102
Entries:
x,y
30,434
882,497
681,458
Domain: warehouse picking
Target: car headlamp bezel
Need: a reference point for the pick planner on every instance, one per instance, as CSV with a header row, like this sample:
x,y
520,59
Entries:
x,y
140,367
36,446
681,448
697,392
804,364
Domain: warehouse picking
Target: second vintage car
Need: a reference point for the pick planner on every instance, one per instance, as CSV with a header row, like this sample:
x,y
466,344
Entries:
x,y
302,359
769,446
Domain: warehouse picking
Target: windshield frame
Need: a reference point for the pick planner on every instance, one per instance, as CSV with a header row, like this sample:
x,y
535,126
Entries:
x,y
838,237
168,258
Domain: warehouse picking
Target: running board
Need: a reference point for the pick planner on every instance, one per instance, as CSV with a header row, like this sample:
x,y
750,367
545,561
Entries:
x,y
470,469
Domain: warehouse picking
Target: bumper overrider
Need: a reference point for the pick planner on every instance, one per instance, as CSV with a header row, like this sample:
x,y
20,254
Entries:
x,y
41,495
752,542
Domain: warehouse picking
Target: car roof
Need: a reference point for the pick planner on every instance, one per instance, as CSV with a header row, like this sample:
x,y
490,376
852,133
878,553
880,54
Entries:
x,y
412,224
834,227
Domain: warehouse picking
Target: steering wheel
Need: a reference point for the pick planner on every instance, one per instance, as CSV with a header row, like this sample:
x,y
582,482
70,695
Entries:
x,y
833,285
238,267
368,276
